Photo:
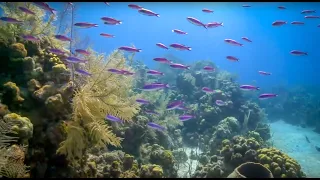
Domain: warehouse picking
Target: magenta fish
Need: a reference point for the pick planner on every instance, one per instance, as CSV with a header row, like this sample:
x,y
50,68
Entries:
x,y
107,35
162,46
56,51
142,101
196,22
154,72
207,10
279,23
312,17
267,96
249,87
26,10
83,72
264,73
62,38
232,58
30,38
246,39
179,31
129,49
125,72
44,6
220,103
111,21
85,25
113,118
308,11
180,46
162,60
155,86
233,42
156,126
298,53
134,6
281,7
214,24
71,59
208,68
179,66
174,105
10,20
147,12
83,52
297,23
115,71
186,117
207,90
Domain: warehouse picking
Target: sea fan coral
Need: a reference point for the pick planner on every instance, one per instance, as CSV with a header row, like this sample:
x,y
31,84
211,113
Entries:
x,y
100,94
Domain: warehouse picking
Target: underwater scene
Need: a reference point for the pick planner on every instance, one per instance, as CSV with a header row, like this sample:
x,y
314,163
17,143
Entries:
x,y
159,90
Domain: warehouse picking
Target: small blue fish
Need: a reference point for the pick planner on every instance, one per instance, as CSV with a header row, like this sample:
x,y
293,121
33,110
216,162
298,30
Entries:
x,y
156,126
142,101
174,105
10,20
83,72
113,118
26,10
186,117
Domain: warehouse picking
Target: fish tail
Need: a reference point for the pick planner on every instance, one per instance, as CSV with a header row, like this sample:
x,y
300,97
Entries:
x,y
222,24
188,67
258,88
139,50
189,48
306,53
167,86
157,15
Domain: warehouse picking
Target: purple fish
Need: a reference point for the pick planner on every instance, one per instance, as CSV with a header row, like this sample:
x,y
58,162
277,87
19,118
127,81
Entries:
x,y
151,112
44,6
154,72
181,107
179,66
214,24
142,101
220,103
30,38
115,71
162,46
249,87
110,21
233,42
298,53
186,117
83,52
174,105
129,49
113,118
125,72
71,59
156,126
308,11
56,51
180,47
162,60
134,6
179,31
10,20
85,25
208,68
83,72
154,86
196,22
267,96
26,10
264,73
207,90
62,38
147,12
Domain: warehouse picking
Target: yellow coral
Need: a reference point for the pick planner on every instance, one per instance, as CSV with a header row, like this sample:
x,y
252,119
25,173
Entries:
x,y
102,93
13,90
17,50
22,126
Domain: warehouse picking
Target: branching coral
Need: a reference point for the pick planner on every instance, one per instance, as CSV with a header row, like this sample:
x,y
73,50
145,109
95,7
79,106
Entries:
x,y
100,94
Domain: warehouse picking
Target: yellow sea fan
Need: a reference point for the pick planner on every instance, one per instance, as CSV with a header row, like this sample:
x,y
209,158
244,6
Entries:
x,y
98,95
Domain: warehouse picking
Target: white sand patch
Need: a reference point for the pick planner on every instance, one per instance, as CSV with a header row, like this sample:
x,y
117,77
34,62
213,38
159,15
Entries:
x,y
191,165
291,140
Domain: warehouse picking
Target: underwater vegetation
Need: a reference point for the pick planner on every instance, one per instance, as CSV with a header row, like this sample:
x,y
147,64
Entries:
x,y
69,111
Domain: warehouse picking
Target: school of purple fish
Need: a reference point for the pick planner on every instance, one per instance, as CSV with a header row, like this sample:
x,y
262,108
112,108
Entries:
x,y
156,86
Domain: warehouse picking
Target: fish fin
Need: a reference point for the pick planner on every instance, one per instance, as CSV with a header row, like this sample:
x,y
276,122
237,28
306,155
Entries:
x,y
157,15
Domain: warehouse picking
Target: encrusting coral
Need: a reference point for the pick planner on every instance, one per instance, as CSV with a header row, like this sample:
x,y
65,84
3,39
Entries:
x,y
96,96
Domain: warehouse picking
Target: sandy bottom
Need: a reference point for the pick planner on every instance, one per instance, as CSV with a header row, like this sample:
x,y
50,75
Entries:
x,y
291,140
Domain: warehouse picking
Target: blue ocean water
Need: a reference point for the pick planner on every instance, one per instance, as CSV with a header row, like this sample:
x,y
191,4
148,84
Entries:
x,y
269,50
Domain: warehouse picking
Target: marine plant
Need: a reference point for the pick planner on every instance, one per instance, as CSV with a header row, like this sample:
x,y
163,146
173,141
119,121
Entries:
x,y
96,96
